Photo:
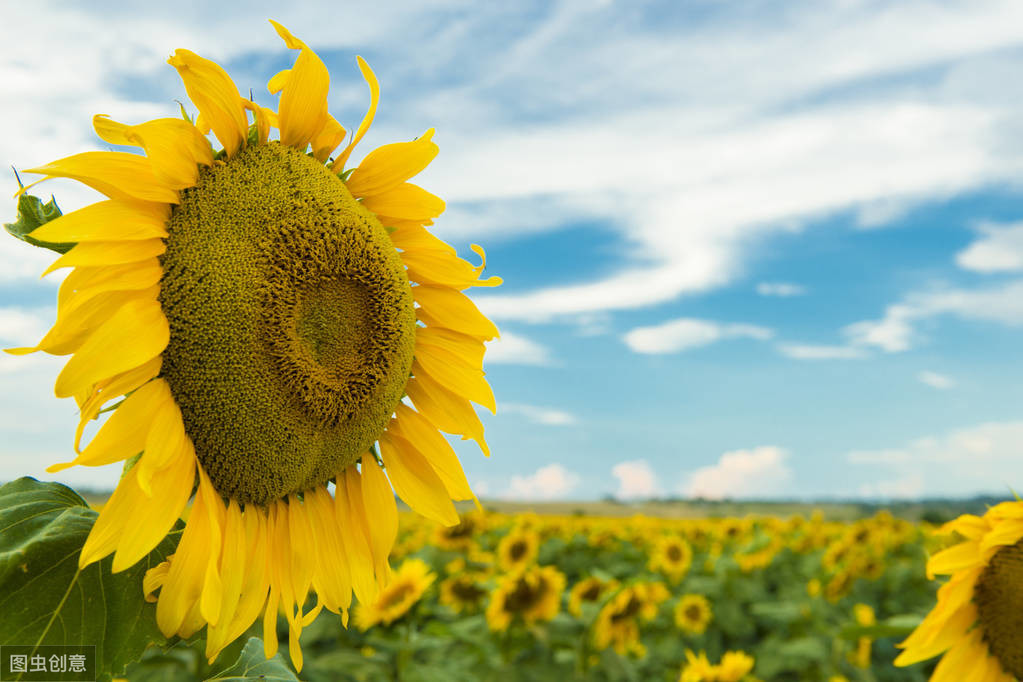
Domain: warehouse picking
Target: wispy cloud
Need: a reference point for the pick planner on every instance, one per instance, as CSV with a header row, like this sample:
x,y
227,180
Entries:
x,y
935,380
686,333
549,482
547,416
513,349
976,459
755,473
1000,249
781,289
799,351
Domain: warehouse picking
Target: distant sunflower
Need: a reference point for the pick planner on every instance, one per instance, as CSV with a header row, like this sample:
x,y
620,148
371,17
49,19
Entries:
x,y
671,556
464,593
734,666
531,596
976,622
617,623
406,587
264,310
588,591
517,549
693,613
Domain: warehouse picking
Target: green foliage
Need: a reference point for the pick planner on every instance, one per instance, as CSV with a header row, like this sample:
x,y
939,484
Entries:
x,y
32,213
46,600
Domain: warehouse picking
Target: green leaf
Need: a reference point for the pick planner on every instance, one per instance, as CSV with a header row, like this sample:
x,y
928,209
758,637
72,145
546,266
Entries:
x,y
32,213
253,665
46,600
896,626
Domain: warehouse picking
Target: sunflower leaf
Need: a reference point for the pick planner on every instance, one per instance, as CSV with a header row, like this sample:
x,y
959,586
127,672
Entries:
x,y
46,600
32,213
253,665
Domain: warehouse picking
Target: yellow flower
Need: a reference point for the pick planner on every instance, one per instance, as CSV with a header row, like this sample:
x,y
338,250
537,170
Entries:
x,y
693,613
588,590
697,668
464,592
532,596
975,624
671,556
263,309
617,623
406,588
734,666
461,536
517,549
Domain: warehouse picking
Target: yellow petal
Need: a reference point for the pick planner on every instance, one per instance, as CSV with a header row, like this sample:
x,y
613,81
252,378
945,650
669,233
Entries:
x,y
424,437
276,83
115,387
445,269
409,235
405,202
415,481
108,253
963,555
106,221
265,119
378,497
367,120
75,324
174,146
387,167
253,595
326,141
165,440
149,517
332,580
303,107
467,348
135,334
118,175
233,567
215,95
444,307
445,410
123,435
448,370
301,541
351,520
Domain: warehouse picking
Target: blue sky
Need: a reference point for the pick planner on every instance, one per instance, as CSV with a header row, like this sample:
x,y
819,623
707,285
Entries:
x,y
747,252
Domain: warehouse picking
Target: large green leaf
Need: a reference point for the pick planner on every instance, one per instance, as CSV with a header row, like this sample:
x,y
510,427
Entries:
x,y
46,600
32,213
253,665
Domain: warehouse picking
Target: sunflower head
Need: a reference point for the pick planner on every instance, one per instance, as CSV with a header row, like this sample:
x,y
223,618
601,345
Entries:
x,y
517,549
264,310
530,596
405,589
693,613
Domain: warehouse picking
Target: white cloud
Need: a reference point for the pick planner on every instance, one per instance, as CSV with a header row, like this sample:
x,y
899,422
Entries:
x,y
686,333
935,380
513,349
999,250
966,461
895,331
546,416
22,326
636,480
760,472
548,483
799,351
782,289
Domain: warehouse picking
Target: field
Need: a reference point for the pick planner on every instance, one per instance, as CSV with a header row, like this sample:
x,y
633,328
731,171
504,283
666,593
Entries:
x,y
524,596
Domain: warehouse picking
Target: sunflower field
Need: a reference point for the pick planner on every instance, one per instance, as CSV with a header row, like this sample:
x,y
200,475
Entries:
x,y
531,597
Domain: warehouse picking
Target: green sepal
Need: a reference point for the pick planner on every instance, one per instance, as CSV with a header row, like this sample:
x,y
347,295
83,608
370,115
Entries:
x,y
32,213
344,174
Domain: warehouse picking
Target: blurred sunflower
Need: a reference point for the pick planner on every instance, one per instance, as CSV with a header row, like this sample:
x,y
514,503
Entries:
x,y
734,666
588,591
533,595
517,549
460,537
671,556
463,593
406,587
257,306
617,623
975,625
864,615
697,668
693,613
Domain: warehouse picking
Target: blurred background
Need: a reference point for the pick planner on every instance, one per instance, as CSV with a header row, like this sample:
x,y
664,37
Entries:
x,y
753,251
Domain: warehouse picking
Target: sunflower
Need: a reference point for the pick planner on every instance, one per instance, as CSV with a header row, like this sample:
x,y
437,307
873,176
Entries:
x,y
533,595
617,623
264,311
588,591
460,537
671,556
864,615
697,668
463,593
693,613
517,549
734,666
406,587
975,623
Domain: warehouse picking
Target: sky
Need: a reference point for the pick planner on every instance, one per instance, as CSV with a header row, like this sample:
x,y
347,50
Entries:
x,y
750,250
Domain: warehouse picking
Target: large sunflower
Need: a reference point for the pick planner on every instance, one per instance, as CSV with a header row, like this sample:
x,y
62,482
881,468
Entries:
x,y
265,311
976,623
